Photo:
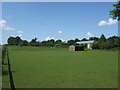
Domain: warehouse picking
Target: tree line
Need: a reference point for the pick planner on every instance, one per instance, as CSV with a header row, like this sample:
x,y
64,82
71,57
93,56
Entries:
x,y
100,43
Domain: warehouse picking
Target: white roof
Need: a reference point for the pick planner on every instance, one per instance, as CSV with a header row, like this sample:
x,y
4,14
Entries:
x,y
85,42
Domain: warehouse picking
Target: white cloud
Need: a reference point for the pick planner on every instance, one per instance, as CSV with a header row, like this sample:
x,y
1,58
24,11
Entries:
x,y
4,26
8,28
89,34
107,23
62,40
20,31
2,22
49,38
20,35
60,32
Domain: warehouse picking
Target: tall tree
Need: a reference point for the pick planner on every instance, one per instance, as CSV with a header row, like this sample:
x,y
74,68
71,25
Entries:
x,y
58,42
102,38
14,40
71,42
84,39
51,43
102,42
34,40
115,13
77,40
10,41
43,43
18,40
24,43
94,38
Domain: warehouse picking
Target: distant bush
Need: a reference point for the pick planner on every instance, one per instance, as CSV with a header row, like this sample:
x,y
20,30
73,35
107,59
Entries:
x,y
95,46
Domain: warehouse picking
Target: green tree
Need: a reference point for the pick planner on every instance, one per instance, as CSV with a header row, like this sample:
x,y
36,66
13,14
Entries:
x,y
102,42
14,40
77,40
10,41
24,43
94,38
18,40
58,43
51,43
113,41
71,42
34,42
102,38
84,39
43,43
95,46
115,13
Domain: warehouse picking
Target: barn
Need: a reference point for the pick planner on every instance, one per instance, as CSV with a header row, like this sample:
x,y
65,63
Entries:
x,y
76,48
89,43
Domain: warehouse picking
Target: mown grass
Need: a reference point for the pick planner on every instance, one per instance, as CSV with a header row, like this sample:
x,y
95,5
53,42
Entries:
x,y
5,74
38,67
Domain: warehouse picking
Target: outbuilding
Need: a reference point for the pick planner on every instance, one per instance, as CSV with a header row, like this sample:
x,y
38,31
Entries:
x,y
76,48
89,43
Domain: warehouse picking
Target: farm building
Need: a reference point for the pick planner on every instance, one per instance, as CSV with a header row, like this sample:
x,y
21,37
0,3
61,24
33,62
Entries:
x,y
89,43
76,48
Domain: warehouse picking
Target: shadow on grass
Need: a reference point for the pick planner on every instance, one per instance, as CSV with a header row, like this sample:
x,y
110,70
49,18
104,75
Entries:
x,y
4,64
5,70
5,73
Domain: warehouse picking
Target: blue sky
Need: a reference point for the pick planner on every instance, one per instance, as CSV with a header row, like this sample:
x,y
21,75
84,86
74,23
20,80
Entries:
x,y
67,20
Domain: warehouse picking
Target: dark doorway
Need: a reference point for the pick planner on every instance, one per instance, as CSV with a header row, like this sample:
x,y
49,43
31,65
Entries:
x,y
79,48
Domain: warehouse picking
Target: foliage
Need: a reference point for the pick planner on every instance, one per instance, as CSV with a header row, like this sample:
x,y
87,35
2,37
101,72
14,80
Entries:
x,y
94,38
14,40
102,38
71,42
110,43
95,46
77,40
84,39
100,43
115,14
23,43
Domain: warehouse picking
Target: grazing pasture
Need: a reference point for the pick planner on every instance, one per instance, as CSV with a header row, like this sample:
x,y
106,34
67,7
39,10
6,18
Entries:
x,y
43,67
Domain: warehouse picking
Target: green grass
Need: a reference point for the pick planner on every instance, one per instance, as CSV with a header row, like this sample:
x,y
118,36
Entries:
x,y
0,66
37,67
5,74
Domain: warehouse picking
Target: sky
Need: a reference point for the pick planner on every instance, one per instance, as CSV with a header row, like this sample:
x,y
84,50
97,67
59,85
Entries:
x,y
57,20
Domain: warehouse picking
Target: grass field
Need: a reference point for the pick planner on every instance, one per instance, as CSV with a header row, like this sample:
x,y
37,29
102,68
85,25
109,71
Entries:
x,y
36,67
0,67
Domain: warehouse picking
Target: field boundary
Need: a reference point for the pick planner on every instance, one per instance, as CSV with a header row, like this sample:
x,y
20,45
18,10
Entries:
x,y
10,72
